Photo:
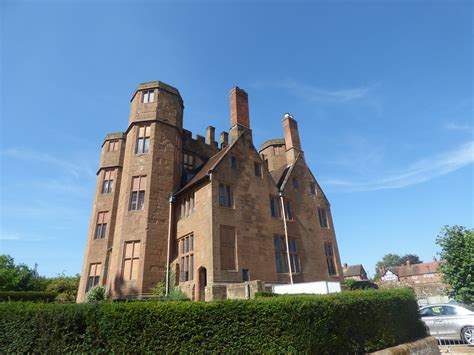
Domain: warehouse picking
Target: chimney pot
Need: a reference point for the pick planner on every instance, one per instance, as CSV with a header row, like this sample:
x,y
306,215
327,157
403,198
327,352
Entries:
x,y
210,131
224,139
239,107
292,137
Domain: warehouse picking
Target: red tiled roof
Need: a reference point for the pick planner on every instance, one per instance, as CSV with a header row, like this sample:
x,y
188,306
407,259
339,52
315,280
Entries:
x,y
420,269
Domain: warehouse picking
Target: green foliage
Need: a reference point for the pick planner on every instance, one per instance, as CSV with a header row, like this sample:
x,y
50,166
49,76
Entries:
x,y
265,294
65,286
32,296
390,260
96,294
360,285
412,258
174,293
17,277
457,244
349,322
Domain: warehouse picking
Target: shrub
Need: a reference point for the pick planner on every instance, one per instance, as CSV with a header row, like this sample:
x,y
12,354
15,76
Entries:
x,y
31,296
360,285
174,293
350,322
96,294
265,294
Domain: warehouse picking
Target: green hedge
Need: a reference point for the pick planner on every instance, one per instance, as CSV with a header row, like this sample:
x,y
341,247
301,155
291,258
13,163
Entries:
x,y
31,296
358,321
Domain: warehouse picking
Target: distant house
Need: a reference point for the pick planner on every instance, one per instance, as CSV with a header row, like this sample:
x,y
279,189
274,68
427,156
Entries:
x,y
355,272
424,278
422,273
390,274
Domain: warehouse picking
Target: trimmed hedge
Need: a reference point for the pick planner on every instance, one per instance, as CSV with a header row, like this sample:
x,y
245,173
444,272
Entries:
x,y
31,296
358,321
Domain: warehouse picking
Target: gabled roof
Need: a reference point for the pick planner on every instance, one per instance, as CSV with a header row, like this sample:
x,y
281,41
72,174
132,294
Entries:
x,y
420,269
208,167
394,269
279,175
354,270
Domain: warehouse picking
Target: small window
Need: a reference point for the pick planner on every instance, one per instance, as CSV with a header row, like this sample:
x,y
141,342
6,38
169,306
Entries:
x,y
131,260
186,251
258,170
288,212
137,197
296,183
312,188
143,140
101,225
329,252
108,181
187,206
148,96
94,275
113,145
245,275
275,207
323,218
281,256
188,161
225,196
233,162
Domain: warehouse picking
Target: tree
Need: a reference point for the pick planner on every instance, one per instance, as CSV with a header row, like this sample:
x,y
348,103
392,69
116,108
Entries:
x,y
412,258
457,249
390,260
65,286
17,277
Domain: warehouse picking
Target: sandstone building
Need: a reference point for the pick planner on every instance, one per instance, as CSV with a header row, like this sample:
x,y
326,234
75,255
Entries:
x,y
218,213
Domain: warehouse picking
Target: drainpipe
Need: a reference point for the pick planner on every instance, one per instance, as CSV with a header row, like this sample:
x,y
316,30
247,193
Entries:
x,y
286,236
170,219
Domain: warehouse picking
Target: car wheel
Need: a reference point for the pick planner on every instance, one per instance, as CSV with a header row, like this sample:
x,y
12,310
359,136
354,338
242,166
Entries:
x,y
468,335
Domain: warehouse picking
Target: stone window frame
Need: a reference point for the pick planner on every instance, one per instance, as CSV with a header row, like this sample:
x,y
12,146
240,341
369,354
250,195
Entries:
x,y
113,145
186,257
142,145
108,181
275,208
93,277
323,218
148,96
330,258
188,160
226,196
258,170
131,255
281,258
187,205
312,188
100,231
137,193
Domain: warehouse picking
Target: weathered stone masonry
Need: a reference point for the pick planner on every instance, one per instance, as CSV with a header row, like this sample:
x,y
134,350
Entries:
x,y
226,215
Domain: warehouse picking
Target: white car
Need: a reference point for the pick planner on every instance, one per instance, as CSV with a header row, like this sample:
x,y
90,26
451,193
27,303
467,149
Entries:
x,y
449,321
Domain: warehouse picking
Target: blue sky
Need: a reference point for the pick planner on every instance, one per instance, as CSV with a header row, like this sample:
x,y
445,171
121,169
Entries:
x,y
382,91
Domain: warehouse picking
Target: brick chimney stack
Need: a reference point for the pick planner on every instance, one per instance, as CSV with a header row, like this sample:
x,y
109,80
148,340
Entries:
x,y
292,137
224,139
210,132
239,112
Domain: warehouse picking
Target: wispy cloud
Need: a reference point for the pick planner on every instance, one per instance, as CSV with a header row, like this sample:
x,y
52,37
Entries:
x,y
315,93
457,126
76,169
9,236
419,172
